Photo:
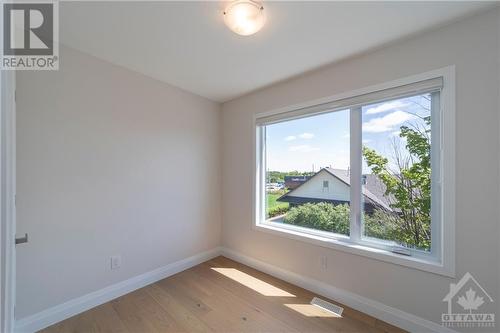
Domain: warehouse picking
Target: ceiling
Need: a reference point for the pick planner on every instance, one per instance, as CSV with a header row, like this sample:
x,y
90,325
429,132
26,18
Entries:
x,y
187,45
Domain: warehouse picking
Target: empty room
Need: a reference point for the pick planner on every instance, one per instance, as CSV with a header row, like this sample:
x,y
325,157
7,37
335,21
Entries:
x,y
249,166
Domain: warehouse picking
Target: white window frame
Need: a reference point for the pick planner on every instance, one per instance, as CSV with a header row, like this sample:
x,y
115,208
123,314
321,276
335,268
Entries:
x,y
441,258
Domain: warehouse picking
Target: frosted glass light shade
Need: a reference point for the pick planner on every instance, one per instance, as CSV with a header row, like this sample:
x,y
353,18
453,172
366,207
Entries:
x,y
244,17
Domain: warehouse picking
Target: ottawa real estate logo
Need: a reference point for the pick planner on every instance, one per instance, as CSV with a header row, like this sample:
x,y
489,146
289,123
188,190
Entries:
x,y
30,34
469,305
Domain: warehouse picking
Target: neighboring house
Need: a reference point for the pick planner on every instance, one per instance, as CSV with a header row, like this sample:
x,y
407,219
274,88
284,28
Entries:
x,y
333,186
292,182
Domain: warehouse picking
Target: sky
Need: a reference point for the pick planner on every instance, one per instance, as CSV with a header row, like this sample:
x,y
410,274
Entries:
x,y
308,144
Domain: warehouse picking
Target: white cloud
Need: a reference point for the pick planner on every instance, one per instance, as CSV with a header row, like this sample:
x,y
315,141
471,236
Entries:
x,y
386,107
303,148
365,141
387,122
306,135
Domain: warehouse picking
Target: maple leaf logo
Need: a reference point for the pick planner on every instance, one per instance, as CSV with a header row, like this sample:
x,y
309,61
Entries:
x,y
470,301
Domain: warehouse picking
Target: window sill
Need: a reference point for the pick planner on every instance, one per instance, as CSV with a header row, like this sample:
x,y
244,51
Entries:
x,y
343,244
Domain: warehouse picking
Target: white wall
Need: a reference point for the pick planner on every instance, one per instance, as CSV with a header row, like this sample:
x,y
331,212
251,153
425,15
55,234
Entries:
x,y
109,162
471,45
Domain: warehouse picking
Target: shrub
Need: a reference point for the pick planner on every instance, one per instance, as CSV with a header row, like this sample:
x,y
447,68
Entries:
x,y
381,225
327,217
320,216
384,225
278,210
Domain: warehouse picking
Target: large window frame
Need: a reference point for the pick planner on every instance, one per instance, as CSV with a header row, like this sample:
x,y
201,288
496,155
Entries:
x,y
440,259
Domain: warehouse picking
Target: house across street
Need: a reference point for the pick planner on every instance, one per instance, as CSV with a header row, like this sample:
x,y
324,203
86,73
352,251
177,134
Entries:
x,y
333,186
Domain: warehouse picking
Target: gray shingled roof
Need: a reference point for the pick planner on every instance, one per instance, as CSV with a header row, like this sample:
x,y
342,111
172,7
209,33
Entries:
x,y
374,189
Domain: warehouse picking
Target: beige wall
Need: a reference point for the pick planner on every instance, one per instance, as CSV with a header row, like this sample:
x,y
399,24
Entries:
x,y
109,162
471,45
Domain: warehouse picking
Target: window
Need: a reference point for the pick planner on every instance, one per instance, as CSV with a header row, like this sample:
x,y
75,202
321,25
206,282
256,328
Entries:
x,y
397,172
363,173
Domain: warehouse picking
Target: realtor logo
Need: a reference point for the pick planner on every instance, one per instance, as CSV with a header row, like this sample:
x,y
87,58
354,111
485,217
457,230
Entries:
x,y
30,35
467,305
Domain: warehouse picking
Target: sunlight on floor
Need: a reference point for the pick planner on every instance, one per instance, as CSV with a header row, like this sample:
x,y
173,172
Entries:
x,y
249,281
310,310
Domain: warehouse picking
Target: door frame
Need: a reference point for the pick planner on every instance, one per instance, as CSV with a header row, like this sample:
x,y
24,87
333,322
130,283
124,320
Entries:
x,y
7,200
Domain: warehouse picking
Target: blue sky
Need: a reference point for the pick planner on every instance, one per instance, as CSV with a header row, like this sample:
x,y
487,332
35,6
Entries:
x,y
321,141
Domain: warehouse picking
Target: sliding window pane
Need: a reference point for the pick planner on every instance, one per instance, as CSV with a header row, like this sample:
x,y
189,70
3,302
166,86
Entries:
x,y
307,172
396,180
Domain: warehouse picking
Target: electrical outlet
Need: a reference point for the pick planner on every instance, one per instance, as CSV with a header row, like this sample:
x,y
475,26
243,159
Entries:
x,y
323,262
115,262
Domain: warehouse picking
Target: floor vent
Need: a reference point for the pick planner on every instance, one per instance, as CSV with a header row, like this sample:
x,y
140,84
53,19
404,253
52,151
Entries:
x,y
335,309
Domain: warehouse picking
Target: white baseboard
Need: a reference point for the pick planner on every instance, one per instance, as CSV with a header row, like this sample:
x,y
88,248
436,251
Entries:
x,y
373,308
78,305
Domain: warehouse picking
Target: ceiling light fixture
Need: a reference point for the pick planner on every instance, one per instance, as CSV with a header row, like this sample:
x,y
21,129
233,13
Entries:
x,y
244,17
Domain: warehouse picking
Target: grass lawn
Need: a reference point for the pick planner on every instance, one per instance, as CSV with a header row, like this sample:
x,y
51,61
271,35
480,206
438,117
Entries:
x,y
272,203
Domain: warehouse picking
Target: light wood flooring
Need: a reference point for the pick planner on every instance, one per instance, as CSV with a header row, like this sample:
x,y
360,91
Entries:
x,y
219,295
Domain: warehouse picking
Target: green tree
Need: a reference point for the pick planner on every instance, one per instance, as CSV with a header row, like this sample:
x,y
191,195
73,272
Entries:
x,y
408,185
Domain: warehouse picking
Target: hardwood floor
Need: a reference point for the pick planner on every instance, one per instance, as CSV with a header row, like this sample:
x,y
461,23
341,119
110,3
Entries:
x,y
219,295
